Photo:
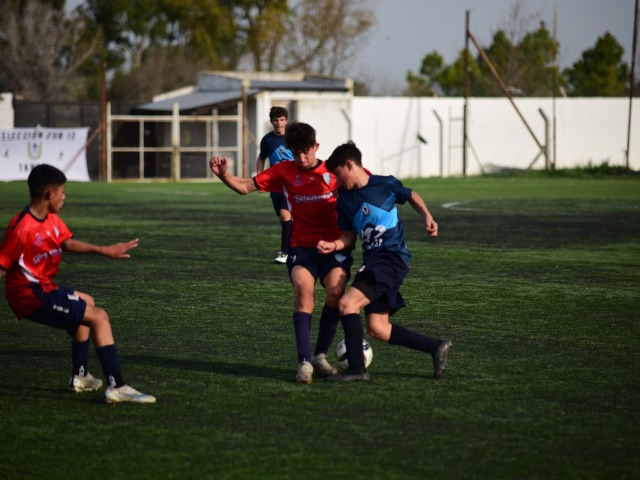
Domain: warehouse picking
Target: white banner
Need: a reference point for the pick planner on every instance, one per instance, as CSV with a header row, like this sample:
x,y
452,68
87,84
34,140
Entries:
x,y
21,149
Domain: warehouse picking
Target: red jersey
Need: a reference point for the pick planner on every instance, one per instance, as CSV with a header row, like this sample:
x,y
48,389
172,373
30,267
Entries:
x,y
30,253
311,195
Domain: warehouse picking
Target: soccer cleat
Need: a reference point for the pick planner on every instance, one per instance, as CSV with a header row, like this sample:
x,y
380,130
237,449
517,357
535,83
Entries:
x,y
126,394
440,358
305,372
281,258
86,383
322,366
350,376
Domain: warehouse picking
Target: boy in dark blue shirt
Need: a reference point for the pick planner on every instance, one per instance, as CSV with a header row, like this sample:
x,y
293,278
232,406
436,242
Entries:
x,y
367,208
273,148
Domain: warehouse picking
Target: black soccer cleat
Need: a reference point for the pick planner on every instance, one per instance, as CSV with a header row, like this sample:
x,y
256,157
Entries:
x,y
440,358
350,376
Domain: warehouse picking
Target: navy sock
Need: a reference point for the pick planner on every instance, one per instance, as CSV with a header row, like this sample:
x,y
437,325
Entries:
x,y
286,235
404,337
328,328
80,357
110,361
302,328
353,336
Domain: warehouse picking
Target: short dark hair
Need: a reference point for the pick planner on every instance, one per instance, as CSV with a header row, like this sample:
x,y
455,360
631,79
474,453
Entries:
x,y
342,153
300,136
43,176
277,112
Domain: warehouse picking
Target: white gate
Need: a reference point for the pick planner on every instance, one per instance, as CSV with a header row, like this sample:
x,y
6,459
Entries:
x,y
171,147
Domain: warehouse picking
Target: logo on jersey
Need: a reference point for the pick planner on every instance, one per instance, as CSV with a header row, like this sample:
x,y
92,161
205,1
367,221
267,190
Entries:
x,y
365,210
327,178
38,241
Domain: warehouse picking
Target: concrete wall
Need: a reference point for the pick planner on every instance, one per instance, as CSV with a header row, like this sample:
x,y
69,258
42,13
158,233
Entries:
x,y
589,130
6,110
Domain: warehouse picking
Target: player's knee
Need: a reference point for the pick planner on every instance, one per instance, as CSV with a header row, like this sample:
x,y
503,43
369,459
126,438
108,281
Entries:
x,y
333,296
345,307
100,316
374,331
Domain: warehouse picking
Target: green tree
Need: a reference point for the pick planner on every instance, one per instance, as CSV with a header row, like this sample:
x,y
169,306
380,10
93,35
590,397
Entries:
x,y
261,28
428,82
600,72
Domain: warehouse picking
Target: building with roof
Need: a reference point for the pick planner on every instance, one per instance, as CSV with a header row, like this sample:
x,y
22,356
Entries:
x,y
225,113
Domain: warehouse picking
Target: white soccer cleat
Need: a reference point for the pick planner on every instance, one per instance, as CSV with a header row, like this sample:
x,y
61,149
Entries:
x,y
322,366
281,258
305,372
126,394
86,383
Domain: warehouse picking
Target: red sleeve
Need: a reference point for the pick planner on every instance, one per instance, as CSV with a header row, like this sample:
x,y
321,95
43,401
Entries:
x,y
270,179
11,247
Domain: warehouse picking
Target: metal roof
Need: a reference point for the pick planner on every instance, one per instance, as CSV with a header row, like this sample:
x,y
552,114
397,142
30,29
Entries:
x,y
213,90
194,100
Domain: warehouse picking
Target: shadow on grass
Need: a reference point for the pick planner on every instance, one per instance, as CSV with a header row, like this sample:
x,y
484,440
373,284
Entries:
x,y
215,367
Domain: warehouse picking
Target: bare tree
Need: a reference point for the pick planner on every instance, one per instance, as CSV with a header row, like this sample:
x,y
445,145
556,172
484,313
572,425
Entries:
x,y
41,51
323,36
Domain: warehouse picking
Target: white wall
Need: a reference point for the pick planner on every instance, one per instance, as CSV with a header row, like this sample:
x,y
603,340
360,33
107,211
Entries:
x,y
6,110
588,130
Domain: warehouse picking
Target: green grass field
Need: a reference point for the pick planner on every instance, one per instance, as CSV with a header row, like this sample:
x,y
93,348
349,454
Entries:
x,y
535,280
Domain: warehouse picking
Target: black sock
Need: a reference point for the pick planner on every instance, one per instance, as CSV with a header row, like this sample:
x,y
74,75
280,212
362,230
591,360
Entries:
x,y
302,328
353,336
404,337
110,361
80,357
286,235
327,330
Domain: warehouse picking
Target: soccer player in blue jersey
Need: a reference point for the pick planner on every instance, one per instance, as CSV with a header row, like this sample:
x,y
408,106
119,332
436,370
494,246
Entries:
x,y
367,208
273,148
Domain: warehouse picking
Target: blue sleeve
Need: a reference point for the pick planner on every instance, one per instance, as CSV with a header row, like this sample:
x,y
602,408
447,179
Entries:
x,y
402,193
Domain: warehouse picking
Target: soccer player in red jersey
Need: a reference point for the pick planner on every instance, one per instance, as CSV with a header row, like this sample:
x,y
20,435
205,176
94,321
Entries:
x,y
30,256
311,194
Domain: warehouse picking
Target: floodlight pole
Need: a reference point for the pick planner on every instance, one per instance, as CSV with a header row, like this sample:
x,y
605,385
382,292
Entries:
x,y
466,95
554,87
102,170
632,80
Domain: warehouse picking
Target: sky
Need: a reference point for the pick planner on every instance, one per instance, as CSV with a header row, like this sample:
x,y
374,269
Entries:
x,y
407,30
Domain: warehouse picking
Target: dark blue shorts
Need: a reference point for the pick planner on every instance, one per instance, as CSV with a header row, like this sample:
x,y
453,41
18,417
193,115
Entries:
x,y
61,309
279,201
319,265
380,280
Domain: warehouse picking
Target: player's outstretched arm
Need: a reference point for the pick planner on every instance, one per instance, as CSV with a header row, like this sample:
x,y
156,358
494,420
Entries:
x,y
346,240
419,206
117,250
243,186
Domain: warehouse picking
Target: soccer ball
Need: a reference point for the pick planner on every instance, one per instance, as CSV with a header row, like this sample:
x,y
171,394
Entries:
x,y
341,354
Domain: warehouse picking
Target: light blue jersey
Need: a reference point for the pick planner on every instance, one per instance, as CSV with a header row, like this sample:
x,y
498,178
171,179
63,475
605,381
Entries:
x,y
273,147
372,213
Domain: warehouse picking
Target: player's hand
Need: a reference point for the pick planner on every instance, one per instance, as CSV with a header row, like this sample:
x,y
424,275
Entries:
x,y
218,165
325,247
119,250
431,227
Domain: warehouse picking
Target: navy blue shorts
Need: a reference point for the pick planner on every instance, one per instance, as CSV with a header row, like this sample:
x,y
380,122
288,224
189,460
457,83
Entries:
x,y
319,265
279,201
380,280
61,309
